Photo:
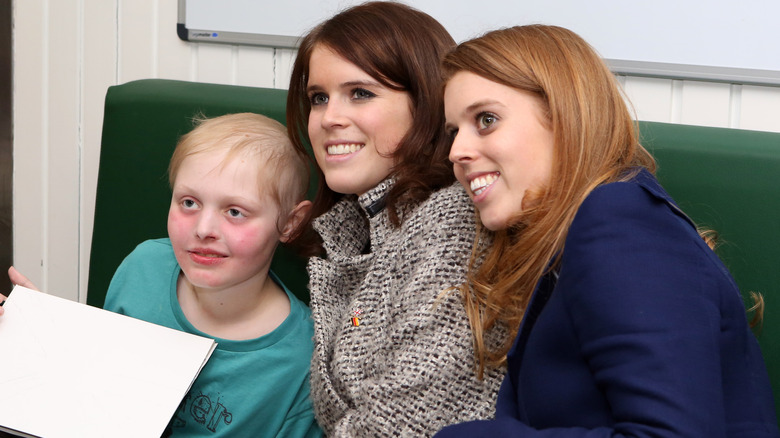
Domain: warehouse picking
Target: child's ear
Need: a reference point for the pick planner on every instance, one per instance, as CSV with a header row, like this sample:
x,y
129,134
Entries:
x,y
295,219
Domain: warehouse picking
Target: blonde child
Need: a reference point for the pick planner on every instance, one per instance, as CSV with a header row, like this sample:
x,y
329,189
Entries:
x,y
238,190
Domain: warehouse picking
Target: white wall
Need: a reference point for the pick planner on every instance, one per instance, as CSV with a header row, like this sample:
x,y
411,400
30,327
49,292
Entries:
x,y
67,52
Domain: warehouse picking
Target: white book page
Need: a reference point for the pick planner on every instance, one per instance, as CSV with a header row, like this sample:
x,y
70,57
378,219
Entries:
x,y
72,370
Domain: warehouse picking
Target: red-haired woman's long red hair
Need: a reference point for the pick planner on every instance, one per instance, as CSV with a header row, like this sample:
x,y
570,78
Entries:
x,y
595,142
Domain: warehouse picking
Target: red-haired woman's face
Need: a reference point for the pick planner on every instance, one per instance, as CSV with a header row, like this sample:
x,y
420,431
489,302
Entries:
x,y
355,123
501,146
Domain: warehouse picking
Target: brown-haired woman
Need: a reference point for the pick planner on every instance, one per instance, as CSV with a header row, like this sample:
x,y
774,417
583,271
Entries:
x,y
393,355
626,322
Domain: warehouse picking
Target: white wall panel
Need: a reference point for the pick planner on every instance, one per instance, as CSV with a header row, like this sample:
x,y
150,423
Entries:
x,y
760,108
63,151
283,67
216,64
174,56
99,39
29,100
705,104
252,68
137,39
650,97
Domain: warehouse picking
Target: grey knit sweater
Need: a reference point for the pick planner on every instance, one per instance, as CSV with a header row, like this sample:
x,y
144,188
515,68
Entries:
x,y
405,365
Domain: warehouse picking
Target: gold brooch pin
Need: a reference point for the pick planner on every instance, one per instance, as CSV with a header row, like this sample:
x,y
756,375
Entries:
x,y
356,317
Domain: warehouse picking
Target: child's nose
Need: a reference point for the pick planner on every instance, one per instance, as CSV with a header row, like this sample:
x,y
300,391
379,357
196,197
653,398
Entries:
x,y
206,226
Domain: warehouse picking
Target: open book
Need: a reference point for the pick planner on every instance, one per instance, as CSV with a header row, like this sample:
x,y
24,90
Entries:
x,y
71,370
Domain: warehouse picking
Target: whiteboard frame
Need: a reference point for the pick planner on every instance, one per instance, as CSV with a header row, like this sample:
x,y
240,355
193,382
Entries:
x,y
742,76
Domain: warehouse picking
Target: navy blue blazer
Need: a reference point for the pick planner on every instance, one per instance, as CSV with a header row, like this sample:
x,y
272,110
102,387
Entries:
x,y
641,332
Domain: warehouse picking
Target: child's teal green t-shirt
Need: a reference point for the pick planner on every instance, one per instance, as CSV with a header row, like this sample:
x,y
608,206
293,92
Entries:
x,y
253,388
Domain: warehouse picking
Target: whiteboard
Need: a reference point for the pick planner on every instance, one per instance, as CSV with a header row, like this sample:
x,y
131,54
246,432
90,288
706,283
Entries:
x,y
719,40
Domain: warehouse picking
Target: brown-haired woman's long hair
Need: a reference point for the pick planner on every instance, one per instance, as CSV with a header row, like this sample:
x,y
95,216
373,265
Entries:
x,y
400,47
595,142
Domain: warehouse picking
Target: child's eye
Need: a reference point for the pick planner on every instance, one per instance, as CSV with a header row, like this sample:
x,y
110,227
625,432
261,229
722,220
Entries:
x,y
318,99
486,120
188,203
235,213
362,94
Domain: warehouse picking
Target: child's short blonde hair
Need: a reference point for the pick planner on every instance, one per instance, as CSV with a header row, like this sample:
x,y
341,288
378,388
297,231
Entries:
x,y
283,173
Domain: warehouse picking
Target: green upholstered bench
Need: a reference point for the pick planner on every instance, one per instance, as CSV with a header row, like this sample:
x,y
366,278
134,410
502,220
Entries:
x,y
725,179
728,180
